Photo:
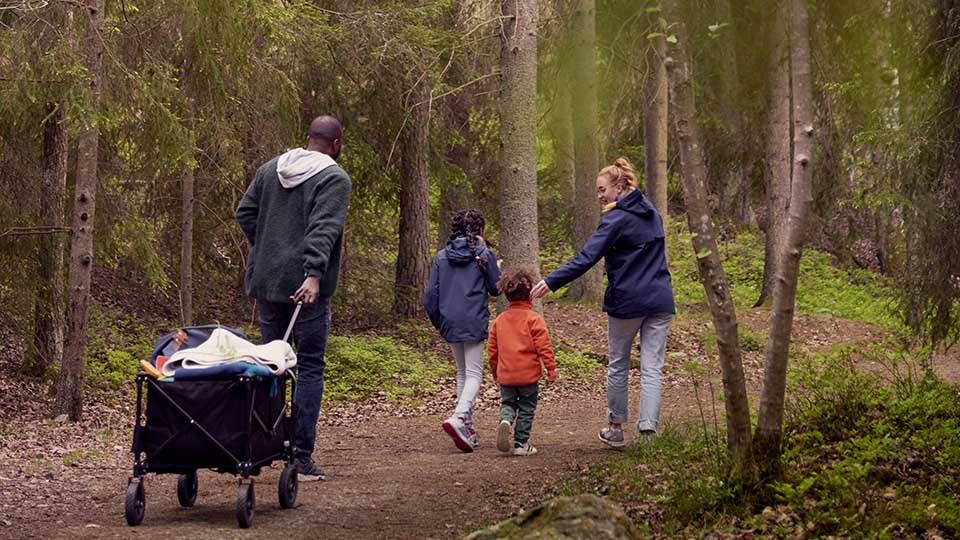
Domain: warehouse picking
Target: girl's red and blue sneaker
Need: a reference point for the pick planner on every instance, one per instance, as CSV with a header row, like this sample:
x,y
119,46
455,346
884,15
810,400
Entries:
x,y
458,431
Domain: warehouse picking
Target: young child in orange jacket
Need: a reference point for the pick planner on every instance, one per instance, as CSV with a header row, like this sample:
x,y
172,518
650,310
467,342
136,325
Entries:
x,y
517,347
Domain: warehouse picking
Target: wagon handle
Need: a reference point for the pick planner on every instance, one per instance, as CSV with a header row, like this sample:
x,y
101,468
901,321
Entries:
x,y
293,320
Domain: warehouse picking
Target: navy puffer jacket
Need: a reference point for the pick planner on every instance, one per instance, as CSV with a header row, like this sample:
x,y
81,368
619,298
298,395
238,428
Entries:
x,y
456,295
630,239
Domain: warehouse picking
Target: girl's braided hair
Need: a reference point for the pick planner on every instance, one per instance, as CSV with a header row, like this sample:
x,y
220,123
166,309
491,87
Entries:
x,y
469,224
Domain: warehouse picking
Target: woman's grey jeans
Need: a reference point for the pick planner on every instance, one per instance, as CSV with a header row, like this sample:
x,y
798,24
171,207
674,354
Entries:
x,y
653,331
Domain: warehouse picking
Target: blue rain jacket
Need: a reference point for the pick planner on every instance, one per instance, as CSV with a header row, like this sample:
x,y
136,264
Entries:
x,y
630,239
456,295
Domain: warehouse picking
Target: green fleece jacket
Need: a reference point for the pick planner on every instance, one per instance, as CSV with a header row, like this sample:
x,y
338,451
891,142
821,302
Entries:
x,y
294,232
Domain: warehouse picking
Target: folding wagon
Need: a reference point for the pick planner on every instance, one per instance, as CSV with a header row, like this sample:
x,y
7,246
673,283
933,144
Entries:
x,y
236,425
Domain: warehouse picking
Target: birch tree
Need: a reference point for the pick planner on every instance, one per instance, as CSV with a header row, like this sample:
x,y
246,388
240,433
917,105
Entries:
x,y
768,435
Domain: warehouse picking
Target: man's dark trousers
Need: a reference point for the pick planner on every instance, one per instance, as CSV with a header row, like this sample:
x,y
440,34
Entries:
x,y
310,337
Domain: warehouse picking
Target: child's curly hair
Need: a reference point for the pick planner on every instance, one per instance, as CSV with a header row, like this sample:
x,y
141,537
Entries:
x,y
516,283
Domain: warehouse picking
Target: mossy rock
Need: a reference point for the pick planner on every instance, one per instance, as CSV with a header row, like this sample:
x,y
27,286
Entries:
x,y
565,518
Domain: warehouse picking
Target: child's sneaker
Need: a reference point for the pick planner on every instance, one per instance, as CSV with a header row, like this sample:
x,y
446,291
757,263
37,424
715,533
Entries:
x,y
457,431
612,437
474,438
525,449
503,436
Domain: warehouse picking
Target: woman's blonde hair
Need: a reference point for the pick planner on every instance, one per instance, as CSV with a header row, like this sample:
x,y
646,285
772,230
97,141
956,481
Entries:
x,y
621,174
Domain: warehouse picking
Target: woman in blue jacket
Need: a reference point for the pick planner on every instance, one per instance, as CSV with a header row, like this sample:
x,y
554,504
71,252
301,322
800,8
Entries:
x,y
639,295
462,275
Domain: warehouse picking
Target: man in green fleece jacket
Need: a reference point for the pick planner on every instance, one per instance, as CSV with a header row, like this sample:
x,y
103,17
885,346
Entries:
x,y
293,215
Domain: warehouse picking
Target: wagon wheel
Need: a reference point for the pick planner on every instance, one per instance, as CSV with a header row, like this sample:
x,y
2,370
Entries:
x,y
187,489
287,488
245,504
135,504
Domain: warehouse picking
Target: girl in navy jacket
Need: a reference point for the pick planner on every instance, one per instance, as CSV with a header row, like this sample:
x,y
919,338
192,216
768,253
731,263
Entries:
x,y
639,295
462,275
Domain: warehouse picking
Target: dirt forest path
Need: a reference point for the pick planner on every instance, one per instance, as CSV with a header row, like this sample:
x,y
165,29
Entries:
x,y
392,477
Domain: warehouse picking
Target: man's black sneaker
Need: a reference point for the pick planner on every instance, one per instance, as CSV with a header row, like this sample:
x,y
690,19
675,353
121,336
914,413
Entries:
x,y
309,472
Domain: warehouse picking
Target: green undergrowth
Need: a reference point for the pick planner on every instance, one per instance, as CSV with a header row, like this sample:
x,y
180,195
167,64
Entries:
x,y
360,367
866,455
577,365
115,346
823,288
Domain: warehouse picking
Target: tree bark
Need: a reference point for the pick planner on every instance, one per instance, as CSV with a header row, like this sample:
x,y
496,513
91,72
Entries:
x,y
655,124
779,150
519,236
733,178
712,276
455,193
768,436
70,385
564,147
413,257
46,349
186,248
589,287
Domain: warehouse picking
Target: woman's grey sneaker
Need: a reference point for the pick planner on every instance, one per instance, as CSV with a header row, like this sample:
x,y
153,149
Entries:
x,y
309,472
525,449
503,436
612,437
646,435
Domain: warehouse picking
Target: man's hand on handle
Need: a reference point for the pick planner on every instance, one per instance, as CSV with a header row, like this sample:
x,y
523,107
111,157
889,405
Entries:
x,y
539,290
308,292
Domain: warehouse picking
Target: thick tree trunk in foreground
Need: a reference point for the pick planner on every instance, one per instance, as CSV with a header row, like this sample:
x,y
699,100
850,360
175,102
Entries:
x,y
711,272
519,237
589,287
779,150
769,432
413,258
70,385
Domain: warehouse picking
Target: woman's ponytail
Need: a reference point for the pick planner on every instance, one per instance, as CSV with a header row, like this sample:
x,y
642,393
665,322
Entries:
x,y
621,174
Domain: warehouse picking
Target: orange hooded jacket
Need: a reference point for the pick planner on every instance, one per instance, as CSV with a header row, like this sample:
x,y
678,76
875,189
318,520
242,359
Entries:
x,y
518,345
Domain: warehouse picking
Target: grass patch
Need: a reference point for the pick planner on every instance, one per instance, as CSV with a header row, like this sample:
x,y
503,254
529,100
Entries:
x,y
823,288
576,364
360,367
864,457
115,346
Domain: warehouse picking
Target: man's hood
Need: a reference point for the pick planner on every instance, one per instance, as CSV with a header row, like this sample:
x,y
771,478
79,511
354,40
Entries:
x,y
459,252
298,165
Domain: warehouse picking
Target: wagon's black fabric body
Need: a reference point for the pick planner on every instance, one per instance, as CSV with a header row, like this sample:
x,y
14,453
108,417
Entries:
x,y
235,425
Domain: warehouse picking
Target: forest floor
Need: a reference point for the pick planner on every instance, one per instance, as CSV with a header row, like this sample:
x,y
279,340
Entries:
x,y
392,474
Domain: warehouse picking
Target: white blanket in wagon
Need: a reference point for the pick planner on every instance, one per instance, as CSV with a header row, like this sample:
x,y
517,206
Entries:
x,y
223,347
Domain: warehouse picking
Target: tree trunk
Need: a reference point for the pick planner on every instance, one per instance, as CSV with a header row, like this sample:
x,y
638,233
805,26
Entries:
x,y
734,179
47,348
589,287
564,148
70,385
768,436
186,248
655,124
519,238
413,257
779,151
455,193
712,276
